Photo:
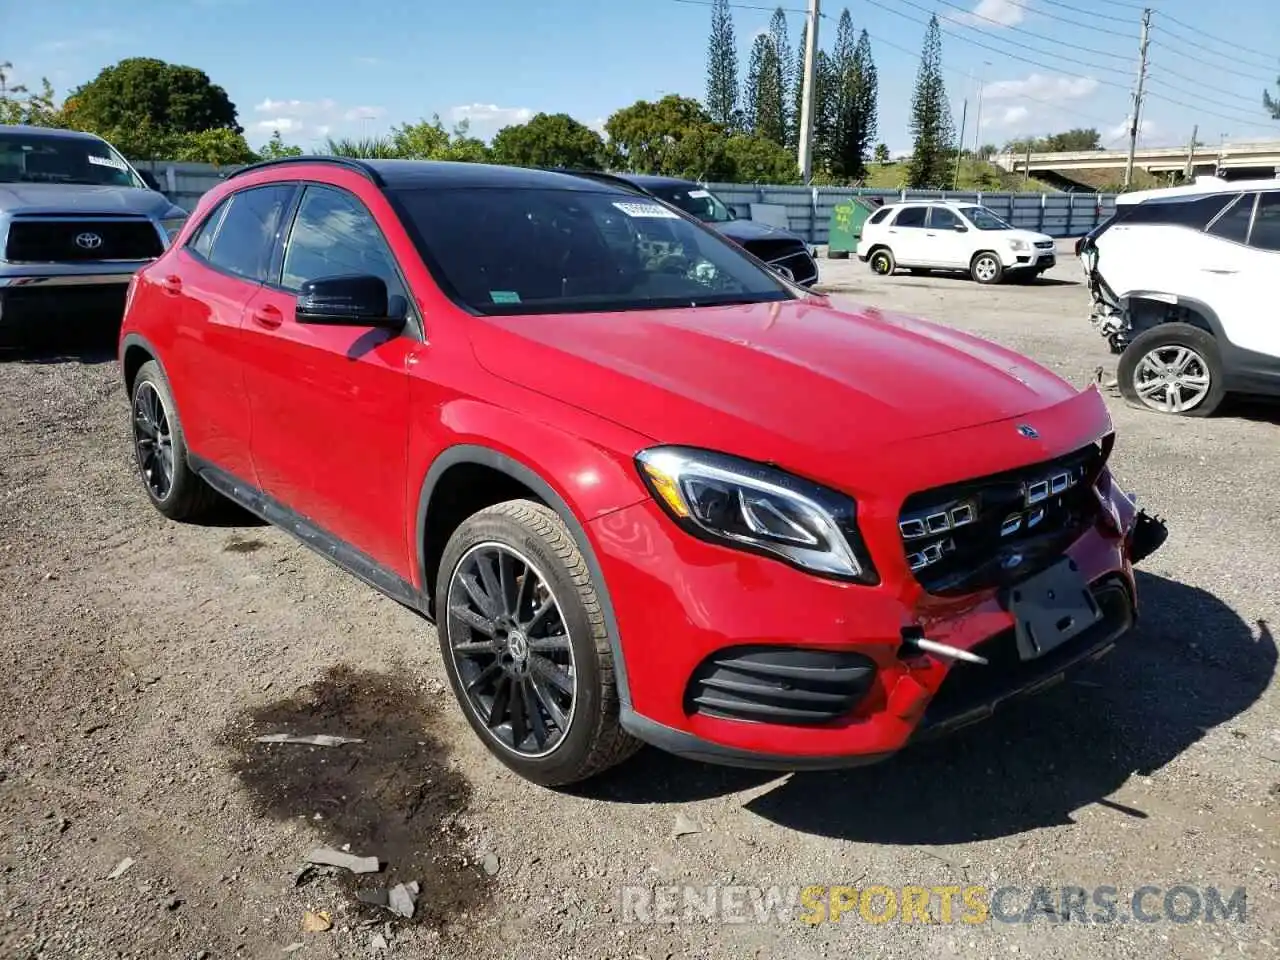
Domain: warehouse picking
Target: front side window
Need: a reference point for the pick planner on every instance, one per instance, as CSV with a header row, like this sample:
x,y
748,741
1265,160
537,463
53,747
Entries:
x,y
335,235
703,204
911,217
32,157
984,219
539,250
245,239
1266,223
943,219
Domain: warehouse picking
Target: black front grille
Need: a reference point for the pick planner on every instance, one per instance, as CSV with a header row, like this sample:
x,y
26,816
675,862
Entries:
x,y
80,241
1044,244
770,250
996,529
786,685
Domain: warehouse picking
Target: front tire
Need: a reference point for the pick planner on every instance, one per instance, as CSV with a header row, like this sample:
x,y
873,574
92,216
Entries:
x,y
160,450
882,263
986,268
1173,368
526,646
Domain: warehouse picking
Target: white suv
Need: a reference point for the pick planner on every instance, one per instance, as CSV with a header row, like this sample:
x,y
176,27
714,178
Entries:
x,y
946,235
1186,287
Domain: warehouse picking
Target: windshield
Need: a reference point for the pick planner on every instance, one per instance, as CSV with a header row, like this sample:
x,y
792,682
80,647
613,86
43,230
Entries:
x,y
518,251
703,204
984,219
40,158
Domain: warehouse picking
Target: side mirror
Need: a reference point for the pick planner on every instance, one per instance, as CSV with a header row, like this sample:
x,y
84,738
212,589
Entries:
x,y
961,228
150,180
350,301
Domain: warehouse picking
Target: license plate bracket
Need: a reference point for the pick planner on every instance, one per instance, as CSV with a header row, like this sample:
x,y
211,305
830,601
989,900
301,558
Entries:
x,y
1050,608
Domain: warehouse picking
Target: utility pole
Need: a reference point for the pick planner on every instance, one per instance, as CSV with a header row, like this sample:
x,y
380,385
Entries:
x,y
964,111
807,97
1026,170
977,131
1137,97
1191,153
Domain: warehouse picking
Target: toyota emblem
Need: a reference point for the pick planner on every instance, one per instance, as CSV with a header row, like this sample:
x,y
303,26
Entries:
x,y
88,241
1028,431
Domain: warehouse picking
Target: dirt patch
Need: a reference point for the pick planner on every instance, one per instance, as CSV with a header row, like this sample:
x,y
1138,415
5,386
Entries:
x,y
394,796
237,545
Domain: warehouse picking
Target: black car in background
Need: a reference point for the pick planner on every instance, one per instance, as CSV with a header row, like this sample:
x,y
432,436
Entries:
x,y
781,249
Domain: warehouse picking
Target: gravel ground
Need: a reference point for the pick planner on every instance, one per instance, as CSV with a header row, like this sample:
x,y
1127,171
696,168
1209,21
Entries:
x,y
145,656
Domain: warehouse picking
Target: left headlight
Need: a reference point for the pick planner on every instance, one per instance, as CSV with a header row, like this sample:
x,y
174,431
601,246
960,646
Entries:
x,y
172,226
1019,245
754,507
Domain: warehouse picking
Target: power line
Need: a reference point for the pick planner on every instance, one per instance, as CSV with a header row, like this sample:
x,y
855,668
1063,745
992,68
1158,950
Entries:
x,y
1199,53
742,6
1004,53
1090,13
1165,98
1039,36
1270,57
1092,28
1183,91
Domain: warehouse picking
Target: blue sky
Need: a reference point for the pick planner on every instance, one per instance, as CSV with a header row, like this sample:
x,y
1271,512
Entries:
x,y
323,67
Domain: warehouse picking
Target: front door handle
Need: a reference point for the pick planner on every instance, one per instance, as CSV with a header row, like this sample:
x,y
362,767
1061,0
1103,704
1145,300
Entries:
x,y
1218,270
172,283
268,316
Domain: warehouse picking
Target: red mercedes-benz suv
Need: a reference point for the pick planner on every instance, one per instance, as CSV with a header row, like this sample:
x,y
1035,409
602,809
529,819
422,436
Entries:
x,y
647,489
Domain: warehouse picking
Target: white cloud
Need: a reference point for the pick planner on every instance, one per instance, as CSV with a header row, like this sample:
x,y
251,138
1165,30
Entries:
x,y
91,38
368,61
302,120
1008,117
490,113
1145,128
1057,88
993,13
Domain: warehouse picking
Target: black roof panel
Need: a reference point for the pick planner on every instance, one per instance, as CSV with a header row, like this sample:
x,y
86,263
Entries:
x,y
402,174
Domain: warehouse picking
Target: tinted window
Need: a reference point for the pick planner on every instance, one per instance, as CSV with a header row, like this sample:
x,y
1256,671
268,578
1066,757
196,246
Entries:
x,y
511,251
1234,224
911,217
202,241
943,219
1266,223
702,204
880,215
29,156
249,229
984,219
334,234
1191,211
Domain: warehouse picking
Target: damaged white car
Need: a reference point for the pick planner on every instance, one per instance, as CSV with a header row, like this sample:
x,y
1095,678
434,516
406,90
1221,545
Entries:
x,y
1184,283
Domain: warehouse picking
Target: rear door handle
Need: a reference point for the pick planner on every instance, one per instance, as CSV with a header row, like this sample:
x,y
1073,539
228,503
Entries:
x,y
172,284
1218,270
268,316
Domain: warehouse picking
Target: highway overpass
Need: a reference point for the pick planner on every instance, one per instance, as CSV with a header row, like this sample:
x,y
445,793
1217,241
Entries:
x,y
1229,160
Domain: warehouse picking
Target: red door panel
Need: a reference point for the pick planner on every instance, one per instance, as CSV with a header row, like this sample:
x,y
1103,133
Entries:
x,y
203,360
330,423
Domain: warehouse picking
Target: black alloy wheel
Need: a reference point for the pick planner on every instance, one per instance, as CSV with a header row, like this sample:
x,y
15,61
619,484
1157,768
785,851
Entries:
x,y
153,440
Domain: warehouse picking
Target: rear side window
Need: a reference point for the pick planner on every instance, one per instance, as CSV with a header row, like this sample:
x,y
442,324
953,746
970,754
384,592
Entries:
x,y
1266,223
1234,223
245,240
911,217
880,215
1195,212
202,242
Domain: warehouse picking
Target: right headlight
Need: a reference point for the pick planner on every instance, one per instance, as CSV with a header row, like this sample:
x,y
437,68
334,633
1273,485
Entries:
x,y
751,506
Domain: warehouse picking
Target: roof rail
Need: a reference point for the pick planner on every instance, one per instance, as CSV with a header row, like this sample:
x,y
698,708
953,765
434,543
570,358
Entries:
x,y
359,166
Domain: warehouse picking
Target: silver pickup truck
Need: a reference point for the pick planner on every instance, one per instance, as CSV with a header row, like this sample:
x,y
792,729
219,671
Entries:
x,y
76,221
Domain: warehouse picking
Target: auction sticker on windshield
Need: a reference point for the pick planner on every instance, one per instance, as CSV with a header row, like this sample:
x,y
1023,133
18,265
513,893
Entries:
x,y
647,210
107,162
699,194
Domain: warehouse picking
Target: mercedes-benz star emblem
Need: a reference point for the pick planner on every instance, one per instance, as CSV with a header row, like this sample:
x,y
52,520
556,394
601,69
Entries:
x,y
88,241
1028,431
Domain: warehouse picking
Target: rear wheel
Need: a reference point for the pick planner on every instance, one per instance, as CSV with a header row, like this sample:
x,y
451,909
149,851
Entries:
x,y
160,449
882,262
986,268
526,646
1173,368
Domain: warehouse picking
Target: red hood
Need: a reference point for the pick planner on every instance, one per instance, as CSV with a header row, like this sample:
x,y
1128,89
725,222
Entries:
x,y
781,382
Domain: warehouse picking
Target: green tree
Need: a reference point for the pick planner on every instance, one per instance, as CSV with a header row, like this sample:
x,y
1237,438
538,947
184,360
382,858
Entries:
x,y
784,65
766,108
722,67
549,140
1075,140
277,149
856,91
142,92
882,153
221,147
1272,104
18,105
752,159
932,128
824,103
368,148
865,116
645,136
